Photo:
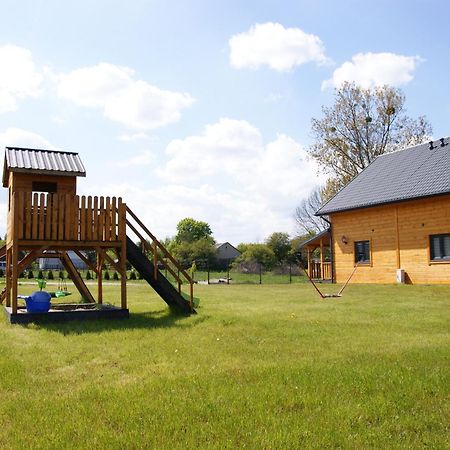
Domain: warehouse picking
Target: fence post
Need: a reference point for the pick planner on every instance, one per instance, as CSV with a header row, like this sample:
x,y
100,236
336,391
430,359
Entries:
x,y
260,273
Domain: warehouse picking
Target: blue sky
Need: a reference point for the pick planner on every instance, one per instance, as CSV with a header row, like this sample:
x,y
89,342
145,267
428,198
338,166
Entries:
x,y
203,108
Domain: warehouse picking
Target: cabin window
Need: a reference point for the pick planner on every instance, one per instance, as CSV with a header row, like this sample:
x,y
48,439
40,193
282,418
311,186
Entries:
x,y
440,247
44,186
362,252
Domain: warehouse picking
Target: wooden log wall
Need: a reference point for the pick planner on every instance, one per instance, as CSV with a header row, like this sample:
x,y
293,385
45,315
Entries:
x,y
64,217
399,237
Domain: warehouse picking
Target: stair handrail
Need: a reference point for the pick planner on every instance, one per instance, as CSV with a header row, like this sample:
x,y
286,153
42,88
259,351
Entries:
x,y
165,252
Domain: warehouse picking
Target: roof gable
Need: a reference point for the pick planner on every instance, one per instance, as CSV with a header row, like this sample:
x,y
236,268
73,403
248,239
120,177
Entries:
x,y
48,162
408,174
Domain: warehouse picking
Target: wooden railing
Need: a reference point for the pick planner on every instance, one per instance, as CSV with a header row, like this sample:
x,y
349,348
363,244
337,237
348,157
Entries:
x,y
64,217
160,255
320,271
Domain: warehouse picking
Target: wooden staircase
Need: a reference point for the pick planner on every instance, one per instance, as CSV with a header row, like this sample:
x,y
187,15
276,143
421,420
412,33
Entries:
x,y
146,261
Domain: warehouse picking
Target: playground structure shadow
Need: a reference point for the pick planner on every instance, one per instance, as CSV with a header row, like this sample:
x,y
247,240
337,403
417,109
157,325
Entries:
x,y
164,318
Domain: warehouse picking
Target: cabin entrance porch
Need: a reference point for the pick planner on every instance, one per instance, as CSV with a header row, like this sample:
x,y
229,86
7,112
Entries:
x,y
319,257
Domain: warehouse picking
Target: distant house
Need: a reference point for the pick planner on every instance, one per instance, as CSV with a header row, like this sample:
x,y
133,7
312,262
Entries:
x,y
393,220
55,263
226,253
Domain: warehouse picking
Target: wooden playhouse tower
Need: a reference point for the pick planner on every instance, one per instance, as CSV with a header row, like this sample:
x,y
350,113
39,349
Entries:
x,y
46,218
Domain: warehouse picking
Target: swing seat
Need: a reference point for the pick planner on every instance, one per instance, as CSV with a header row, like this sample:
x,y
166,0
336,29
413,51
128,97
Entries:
x,y
59,294
331,295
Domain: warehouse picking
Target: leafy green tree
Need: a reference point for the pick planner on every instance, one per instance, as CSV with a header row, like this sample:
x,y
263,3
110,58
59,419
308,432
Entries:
x,y
200,250
260,253
193,242
190,230
280,244
361,125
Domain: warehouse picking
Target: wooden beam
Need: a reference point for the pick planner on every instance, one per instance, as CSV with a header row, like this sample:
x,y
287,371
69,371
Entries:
x,y
122,210
108,258
77,280
14,254
99,278
85,260
8,277
27,259
66,245
322,272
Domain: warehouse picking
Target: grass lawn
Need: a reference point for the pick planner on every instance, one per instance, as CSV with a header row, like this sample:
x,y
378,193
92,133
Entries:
x,y
260,367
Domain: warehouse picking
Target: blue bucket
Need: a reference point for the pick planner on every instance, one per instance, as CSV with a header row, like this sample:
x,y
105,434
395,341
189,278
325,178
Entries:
x,y
38,302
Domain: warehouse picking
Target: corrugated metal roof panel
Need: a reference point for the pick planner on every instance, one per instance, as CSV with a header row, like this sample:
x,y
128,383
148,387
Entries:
x,y
44,161
407,174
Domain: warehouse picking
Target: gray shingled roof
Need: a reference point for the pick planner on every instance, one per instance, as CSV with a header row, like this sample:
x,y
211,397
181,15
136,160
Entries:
x,y
51,162
407,174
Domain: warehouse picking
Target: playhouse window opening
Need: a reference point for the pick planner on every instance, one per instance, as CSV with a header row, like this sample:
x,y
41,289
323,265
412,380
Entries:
x,y
44,186
362,252
440,247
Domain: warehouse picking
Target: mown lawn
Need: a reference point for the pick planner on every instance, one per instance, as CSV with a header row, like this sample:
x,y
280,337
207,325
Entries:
x,y
270,367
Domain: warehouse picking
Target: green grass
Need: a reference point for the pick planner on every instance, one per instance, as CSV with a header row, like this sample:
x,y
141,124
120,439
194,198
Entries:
x,y
271,367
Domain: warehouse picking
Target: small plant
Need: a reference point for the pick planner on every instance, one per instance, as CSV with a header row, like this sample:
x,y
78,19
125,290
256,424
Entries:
x,y
88,275
2,274
30,275
106,275
61,275
132,275
41,283
50,275
115,276
40,274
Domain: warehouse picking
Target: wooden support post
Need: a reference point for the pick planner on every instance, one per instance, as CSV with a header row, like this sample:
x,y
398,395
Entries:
x,y
14,261
122,210
99,277
8,277
14,252
322,269
308,262
155,260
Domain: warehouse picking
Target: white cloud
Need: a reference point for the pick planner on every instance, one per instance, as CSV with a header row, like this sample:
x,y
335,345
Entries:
x,y
17,137
244,188
226,146
19,77
375,69
271,44
123,98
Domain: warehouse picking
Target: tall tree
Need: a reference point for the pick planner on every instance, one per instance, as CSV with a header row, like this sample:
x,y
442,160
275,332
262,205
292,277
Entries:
x,y
307,222
190,230
361,125
280,244
193,242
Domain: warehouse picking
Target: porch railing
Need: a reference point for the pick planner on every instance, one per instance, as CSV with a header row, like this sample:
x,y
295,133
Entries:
x,y
320,271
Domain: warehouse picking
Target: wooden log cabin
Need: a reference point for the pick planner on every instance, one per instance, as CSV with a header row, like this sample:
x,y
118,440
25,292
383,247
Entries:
x,y
46,218
393,219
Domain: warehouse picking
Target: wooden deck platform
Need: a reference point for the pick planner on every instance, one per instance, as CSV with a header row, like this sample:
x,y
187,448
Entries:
x,y
65,312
